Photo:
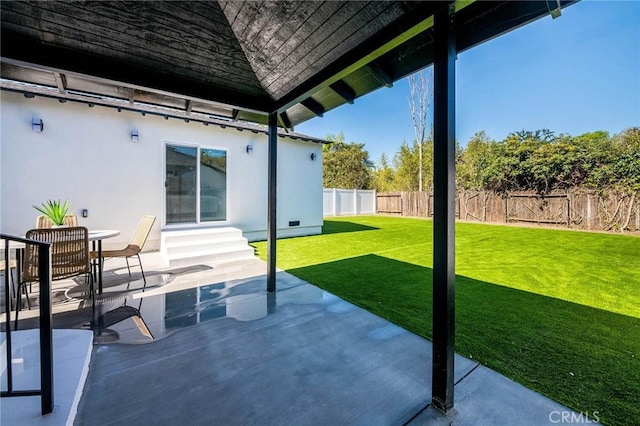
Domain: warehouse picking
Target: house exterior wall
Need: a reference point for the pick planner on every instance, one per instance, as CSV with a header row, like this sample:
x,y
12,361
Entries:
x,y
86,155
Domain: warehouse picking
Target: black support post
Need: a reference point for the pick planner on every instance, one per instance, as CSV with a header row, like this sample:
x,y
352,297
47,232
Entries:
x,y
444,210
271,203
46,333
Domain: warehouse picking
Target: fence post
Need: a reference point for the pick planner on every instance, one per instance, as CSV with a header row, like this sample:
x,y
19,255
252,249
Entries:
x,y
506,207
375,202
589,211
335,201
355,201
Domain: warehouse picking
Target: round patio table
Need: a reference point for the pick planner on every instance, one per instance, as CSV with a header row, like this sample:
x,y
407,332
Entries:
x,y
98,235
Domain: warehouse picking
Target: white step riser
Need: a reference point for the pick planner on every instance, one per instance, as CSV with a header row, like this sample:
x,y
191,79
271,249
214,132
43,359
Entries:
x,y
212,258
213,246
178,237
210,241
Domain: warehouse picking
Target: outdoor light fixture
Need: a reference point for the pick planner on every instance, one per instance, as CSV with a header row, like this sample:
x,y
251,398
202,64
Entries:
x,y
249,149
313,156
134,135
36,124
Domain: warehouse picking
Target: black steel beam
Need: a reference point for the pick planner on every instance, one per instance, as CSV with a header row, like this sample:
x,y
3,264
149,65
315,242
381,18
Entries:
x,y
271,202
344,91
313,106
444,210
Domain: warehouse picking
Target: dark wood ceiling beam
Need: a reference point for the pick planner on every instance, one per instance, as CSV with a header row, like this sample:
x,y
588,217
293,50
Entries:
x,y
343,90
381,75
313,106
61,81
286,122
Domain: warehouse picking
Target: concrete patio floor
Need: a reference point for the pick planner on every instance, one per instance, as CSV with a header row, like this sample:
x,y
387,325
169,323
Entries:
x,y
224,351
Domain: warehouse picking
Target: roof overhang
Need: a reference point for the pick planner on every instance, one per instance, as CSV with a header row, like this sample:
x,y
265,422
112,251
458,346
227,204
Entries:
x,y
238,60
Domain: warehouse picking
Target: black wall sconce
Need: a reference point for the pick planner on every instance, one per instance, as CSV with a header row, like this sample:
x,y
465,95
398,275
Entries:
x,y
249,149
313,156
37,125
135,136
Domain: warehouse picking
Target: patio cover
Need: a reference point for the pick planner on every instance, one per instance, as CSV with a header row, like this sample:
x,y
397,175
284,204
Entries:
x,y
237,59
271,62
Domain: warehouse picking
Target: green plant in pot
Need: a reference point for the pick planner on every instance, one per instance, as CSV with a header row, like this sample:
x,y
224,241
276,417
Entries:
x,y
55,210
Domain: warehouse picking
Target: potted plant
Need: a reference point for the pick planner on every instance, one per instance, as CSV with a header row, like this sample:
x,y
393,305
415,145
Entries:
x,y
55,210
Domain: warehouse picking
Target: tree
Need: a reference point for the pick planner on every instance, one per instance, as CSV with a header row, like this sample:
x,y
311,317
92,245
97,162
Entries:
x,y
420,97
384,176
626,167
472,164
345,165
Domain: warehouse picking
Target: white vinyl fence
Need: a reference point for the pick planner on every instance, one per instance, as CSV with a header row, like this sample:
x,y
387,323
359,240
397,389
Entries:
x,y
345,202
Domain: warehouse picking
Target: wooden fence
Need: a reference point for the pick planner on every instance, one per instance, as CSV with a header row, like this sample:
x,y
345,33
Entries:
x,y
580,210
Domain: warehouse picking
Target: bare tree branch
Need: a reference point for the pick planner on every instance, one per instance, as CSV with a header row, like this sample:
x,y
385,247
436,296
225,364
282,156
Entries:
x,y
420,100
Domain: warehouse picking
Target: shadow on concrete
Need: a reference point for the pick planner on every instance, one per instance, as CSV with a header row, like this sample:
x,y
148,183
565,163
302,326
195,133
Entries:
x,y
583,357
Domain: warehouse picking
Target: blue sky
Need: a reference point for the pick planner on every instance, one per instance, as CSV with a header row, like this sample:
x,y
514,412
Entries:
x,y
574,74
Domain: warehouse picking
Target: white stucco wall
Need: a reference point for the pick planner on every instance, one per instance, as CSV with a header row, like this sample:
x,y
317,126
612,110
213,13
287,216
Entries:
x,y
85,155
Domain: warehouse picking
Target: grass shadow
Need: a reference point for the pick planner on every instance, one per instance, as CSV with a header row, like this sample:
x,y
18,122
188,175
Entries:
x,y
340,226
583,357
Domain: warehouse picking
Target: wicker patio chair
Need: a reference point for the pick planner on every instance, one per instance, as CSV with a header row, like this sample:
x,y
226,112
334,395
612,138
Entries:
x,y
43,222
134,247
69,256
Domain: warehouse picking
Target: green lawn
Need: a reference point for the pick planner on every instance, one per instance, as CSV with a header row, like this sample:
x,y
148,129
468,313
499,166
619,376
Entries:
x,y
558,311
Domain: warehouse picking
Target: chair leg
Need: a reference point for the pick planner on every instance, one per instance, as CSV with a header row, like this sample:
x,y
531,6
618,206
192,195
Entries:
x,y
127,260
13,288
26,295
22,289
142,270
18,305
15,324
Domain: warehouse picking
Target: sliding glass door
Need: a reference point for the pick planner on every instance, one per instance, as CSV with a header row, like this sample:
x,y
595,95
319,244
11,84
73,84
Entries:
x,y
196,184
213,185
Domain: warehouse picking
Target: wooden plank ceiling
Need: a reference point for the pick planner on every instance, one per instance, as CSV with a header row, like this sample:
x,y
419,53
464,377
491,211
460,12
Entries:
x,y
236,59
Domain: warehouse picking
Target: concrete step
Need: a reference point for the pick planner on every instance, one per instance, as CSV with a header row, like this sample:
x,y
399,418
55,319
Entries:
x,y
206,245
210,257
172,248
192,235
